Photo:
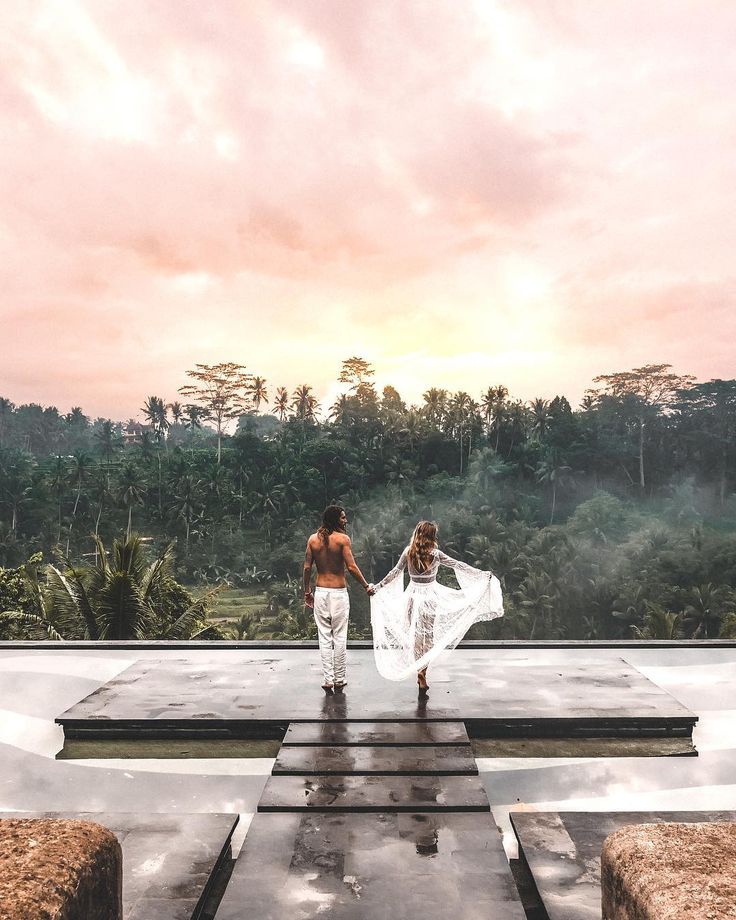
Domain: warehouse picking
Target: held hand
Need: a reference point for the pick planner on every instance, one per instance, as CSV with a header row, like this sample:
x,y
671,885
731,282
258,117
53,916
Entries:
x,y
309,599
370,590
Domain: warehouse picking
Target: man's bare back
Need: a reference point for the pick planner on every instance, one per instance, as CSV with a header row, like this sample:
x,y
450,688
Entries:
x,y
331,559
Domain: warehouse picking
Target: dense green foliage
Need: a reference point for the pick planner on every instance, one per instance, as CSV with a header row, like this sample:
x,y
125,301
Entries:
x,y
120,596
613,519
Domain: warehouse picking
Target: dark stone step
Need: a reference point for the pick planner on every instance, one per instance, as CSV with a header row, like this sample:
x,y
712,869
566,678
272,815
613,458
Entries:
x,y
457,760
374,793
334,734
562,851
364,867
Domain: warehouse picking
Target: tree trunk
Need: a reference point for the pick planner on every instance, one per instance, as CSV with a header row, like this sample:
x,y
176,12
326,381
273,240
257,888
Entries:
x,y
641,453
130,519
554,501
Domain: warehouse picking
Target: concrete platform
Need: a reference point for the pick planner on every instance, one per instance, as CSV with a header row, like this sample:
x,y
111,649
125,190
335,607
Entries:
x,y
259,698
169,861
457,760
374,793
563,853
361,867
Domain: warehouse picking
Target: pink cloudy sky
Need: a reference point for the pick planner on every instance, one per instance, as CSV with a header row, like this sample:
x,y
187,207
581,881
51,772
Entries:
x,y
466,193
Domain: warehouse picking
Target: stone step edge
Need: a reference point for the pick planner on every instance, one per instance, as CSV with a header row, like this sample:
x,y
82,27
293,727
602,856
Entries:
x,y
371,809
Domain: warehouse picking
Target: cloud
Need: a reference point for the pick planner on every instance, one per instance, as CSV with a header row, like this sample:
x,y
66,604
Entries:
x,y
278,181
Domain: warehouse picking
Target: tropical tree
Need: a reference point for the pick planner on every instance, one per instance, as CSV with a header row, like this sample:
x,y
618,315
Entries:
x,y
155,411
659,624
177,412
258,391
356,372
540,418
554,474
706,606
492,405
304,403
435,406
281,403
6,413
80,471
222,391
122,596
131,492
646,391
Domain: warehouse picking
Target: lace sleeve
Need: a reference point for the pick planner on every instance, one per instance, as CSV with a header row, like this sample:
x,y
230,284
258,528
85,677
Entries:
x,y
456,564
394,573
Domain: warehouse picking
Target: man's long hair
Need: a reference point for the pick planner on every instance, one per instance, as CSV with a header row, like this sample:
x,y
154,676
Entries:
x,y
423,541
330,522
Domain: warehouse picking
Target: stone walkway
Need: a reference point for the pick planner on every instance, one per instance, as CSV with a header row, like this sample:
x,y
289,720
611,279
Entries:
x,y
362,820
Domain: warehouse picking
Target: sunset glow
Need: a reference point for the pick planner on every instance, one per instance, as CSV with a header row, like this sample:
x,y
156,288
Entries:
x,y
465,193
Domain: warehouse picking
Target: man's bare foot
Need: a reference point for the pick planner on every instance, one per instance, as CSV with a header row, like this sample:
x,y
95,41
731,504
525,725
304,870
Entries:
x,y
422,680
328,688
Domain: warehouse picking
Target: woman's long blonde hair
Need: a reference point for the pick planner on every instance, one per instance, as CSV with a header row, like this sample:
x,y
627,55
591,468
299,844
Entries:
x,y
423,541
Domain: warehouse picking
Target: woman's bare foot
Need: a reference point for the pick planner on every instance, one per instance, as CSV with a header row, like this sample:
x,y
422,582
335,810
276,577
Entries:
x,y
422,680
339,687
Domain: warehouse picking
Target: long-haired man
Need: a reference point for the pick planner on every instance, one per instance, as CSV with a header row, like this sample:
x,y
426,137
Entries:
x,y
330,550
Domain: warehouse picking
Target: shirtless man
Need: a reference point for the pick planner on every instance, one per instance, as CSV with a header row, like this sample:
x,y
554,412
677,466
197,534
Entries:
x,y
330,550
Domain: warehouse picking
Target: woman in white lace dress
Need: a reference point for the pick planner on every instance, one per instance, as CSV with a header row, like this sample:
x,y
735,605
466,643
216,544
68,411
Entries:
x,y
412,626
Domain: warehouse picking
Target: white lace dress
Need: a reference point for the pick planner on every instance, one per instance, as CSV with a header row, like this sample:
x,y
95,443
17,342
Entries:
x,y
412,626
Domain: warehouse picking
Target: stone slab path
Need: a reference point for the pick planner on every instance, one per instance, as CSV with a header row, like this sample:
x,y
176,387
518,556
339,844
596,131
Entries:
x,y
360,821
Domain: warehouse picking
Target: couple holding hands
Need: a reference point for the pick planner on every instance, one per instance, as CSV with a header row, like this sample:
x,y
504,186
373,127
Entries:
x,y
411,626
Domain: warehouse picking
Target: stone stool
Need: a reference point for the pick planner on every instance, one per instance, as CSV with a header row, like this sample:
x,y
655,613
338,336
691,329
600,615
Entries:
x,y
59,870
670,872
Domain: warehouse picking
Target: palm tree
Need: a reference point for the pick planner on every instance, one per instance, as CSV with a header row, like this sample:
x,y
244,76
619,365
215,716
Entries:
x,y
341,411
101,495
125,597
258,391
492,405
435,406
177,412
193,416
79,474
155,412
304,403
551,472
412,427
706,608
58,487
540,417
281,402
187,505
6,410
535,598
105,438
460,405
131,492
659,624
16,487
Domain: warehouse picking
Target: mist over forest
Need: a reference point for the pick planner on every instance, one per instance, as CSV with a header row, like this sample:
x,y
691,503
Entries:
x,y
612,519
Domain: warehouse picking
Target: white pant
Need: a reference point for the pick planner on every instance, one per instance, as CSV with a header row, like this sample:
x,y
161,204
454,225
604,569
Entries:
x,y
331,612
